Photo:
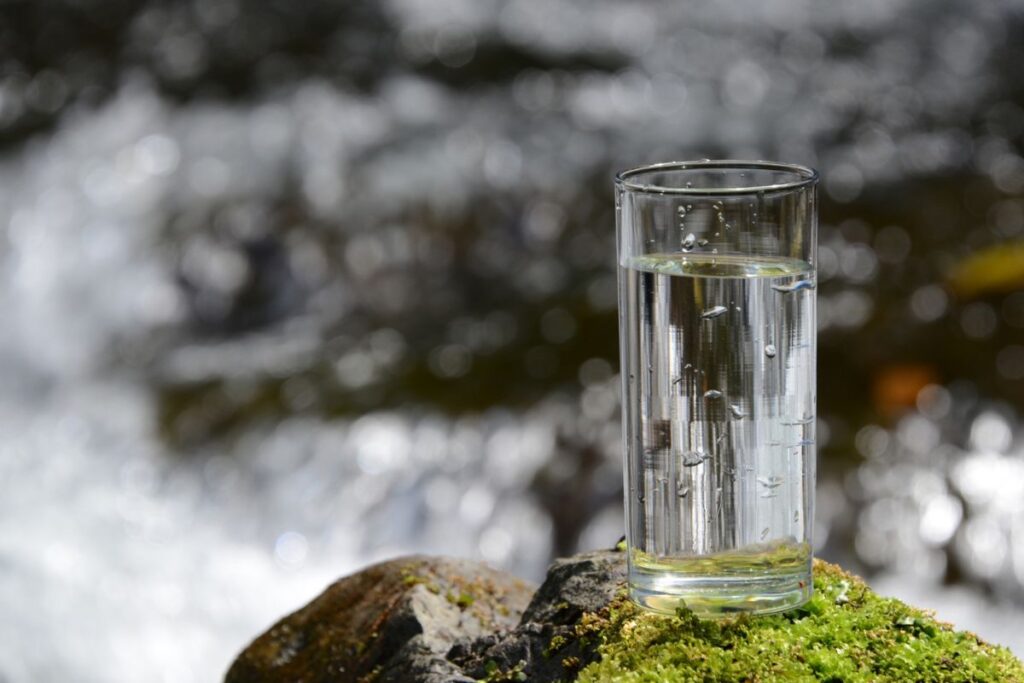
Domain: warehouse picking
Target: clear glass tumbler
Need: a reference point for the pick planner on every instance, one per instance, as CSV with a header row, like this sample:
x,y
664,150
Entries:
x,y
718,342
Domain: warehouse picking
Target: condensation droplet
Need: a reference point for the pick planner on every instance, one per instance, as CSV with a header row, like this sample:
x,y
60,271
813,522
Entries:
x,y
713,312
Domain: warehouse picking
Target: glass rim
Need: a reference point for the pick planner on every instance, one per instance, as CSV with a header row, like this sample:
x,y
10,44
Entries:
x,y
804,176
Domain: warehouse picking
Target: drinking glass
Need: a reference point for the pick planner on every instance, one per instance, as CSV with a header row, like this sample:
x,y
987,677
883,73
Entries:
x,y
717,334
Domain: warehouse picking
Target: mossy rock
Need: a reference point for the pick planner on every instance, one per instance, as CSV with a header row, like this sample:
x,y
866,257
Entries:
x,y
845,633
580,626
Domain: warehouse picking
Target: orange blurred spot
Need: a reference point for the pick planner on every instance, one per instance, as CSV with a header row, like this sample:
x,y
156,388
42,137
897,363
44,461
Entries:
x,y
896,387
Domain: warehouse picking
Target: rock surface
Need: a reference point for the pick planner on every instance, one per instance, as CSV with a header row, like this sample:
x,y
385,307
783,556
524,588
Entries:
x,y
435,620
394,621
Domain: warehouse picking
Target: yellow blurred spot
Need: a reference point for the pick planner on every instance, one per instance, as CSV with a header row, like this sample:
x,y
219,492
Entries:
x,y
996,269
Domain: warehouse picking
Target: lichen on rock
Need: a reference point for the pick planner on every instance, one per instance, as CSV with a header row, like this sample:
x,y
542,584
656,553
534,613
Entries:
x,y
433,620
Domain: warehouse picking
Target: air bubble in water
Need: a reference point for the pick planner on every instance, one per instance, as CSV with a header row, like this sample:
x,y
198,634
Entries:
x,y
737,412
769,350
795,287
702,242
711,394
688,242
713,312
694,458
682,490
770,482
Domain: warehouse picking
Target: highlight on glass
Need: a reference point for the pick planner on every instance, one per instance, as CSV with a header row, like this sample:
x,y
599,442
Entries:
x,y
716,263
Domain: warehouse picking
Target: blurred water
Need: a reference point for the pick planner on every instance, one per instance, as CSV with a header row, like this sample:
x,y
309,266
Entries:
x,y
274,313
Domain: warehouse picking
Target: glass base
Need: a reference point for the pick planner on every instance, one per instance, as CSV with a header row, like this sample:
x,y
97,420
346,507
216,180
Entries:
x,y
718,596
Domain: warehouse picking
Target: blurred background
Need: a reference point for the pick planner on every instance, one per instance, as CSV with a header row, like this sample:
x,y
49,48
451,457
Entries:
x,y
292,287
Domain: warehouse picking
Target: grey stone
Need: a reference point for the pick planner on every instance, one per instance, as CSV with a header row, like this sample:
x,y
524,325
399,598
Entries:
x,y
394,621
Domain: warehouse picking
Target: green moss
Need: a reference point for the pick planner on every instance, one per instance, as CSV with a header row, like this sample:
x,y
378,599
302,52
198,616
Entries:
x,y
845,633
410,579
496,675
556,644
462,600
